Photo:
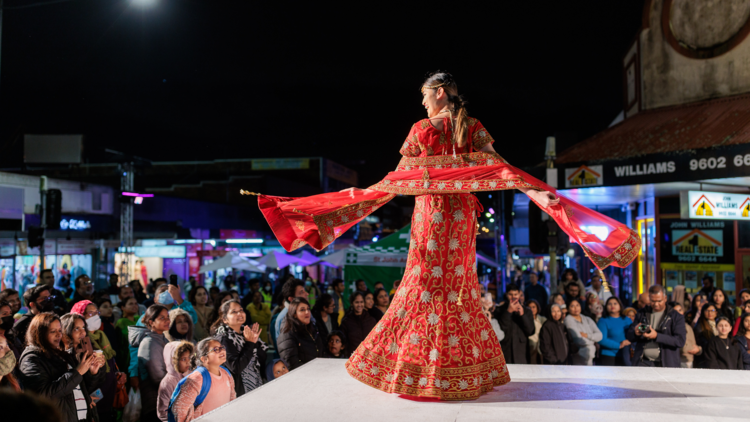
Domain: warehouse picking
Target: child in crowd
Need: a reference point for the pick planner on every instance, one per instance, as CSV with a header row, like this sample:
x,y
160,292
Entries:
x,y
179,358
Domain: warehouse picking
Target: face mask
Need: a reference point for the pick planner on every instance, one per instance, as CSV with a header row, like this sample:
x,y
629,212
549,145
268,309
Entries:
x,y
268,288
165,298
7,323
330,291
94,323
89,290
308,283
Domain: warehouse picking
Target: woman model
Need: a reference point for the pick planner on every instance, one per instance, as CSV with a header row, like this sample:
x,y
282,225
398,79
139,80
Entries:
x,y
432,340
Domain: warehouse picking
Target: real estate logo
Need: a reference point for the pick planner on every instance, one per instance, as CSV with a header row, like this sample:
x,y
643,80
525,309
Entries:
x,y
696,242
703,207
584,176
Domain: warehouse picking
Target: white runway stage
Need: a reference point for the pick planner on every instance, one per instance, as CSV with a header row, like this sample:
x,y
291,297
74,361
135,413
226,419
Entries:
x,y
323,391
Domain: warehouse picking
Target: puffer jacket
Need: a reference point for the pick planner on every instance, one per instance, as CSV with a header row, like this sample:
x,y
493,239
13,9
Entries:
x,y
56,378
151,366
173,314
296,348
172,352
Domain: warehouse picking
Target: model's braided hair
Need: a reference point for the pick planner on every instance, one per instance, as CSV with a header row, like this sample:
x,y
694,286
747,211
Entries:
x,y
445,80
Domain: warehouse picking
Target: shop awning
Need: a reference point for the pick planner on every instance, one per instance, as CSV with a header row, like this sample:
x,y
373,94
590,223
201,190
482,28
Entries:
x,y
704,124
232,260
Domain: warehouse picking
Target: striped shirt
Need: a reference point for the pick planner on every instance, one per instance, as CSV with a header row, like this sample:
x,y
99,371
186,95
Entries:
x,y
81,407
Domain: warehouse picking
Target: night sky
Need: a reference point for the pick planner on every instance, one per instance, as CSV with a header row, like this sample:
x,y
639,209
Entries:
x,y
199,80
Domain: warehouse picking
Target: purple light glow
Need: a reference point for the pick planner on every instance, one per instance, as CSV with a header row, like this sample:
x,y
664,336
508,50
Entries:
x,y
491,211
141,195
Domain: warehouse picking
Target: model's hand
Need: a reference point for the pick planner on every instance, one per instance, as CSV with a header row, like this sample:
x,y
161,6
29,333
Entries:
x,y
584,335
624,343
546,199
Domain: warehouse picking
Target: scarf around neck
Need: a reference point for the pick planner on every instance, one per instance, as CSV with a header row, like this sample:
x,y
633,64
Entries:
x,y
100,341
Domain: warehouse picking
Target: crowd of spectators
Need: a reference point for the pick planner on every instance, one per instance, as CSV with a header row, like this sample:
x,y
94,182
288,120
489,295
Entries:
x,y
189,353
585,324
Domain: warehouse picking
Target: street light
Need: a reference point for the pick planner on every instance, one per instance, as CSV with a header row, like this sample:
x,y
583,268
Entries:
x,y
144,3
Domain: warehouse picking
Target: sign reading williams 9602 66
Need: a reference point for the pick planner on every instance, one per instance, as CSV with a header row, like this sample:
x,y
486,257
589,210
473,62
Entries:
x,y
714,205
709,163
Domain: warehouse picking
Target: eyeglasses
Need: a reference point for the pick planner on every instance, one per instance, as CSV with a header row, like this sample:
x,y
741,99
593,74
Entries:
x,y
91,314
710,310
161,318
217,349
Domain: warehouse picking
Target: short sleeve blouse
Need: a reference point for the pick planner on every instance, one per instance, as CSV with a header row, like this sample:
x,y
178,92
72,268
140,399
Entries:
x,y
425,140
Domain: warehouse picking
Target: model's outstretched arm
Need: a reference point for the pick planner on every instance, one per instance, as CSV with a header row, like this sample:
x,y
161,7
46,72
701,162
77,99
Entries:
x,y
544,198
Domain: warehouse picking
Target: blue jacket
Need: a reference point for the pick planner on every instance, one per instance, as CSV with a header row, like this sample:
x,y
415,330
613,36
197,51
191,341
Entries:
x,y
613,333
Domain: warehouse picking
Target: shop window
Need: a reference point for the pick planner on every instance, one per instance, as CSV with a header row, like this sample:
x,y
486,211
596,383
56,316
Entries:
x,y
743,232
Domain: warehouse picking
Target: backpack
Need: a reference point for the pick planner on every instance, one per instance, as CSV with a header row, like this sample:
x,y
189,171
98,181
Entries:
x,y
205,388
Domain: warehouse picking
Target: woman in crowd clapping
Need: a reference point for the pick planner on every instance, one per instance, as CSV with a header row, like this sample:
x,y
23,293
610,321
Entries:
x,y
66,377
100,342
299,340
246,353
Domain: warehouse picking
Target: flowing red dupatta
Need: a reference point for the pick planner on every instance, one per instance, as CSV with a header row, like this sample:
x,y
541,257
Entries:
x,y
318,220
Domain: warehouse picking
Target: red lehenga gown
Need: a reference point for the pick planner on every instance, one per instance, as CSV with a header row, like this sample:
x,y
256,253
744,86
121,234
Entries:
x,y
434,341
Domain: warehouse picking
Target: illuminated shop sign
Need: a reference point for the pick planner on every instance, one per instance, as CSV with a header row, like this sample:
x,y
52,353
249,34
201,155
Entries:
x,y
714,205
157,251
696,245
584,176
73,224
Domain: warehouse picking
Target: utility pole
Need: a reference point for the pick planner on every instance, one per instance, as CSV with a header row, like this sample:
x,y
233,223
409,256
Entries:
x,y
43,215
126,218
550,155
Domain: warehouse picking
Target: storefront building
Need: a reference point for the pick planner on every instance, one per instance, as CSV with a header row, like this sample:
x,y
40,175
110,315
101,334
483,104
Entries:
x,y
677,163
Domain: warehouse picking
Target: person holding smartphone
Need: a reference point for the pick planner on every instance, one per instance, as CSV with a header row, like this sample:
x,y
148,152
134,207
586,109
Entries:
x,y
658,332
517,322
